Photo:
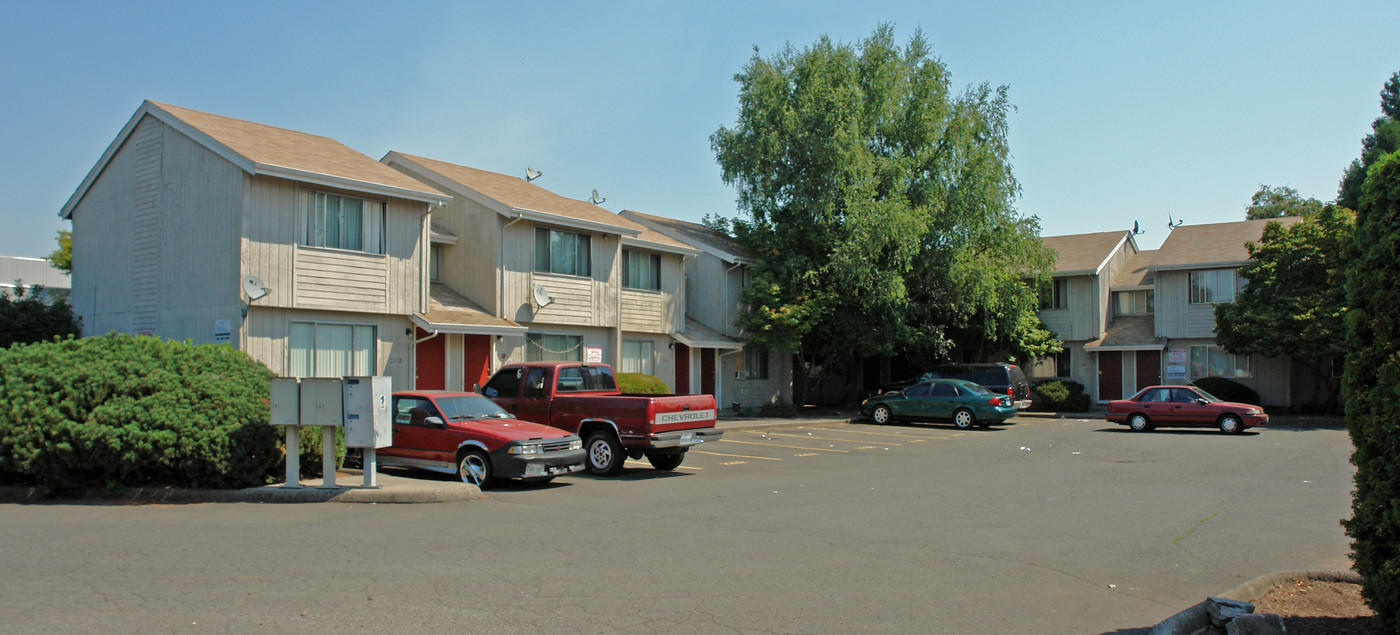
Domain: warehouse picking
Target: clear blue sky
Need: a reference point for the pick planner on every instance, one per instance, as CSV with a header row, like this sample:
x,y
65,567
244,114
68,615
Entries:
x,y
1125,110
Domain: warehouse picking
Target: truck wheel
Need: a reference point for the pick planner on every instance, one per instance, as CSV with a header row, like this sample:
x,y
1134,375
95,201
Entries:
x,y
665,462
605,455
473,466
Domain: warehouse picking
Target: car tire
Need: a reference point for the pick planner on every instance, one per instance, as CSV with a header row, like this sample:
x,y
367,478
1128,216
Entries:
x,y
604,454
474,467
882,415
1139,423
1230,424
964,419
665,462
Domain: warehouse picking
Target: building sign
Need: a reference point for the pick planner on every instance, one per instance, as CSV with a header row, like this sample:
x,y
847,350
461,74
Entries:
x,y
592,354
1176,371
223,331
1176,355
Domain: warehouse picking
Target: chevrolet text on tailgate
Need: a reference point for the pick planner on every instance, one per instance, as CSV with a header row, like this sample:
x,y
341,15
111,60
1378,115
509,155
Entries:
x,y
583,399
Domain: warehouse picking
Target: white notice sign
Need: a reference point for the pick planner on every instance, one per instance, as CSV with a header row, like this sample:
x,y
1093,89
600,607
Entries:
x,y
592,354
223,331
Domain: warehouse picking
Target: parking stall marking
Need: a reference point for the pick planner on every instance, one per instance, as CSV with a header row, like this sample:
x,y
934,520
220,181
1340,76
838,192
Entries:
x,y
809,436
644,464
735,463
779,445
909,438
737,456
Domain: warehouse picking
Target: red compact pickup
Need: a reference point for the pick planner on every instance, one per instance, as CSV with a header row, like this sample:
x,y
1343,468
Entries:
x,y
584,399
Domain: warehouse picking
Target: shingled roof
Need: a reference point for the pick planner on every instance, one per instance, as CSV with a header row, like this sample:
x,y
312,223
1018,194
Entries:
x,y
693,234
261,149
1084,254
1212,245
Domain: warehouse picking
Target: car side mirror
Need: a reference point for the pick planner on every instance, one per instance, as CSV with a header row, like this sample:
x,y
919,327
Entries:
x,y
1202,401
476,388
435,421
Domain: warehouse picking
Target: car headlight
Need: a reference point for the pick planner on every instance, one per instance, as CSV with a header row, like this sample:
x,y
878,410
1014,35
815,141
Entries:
x,y
576,444
533,448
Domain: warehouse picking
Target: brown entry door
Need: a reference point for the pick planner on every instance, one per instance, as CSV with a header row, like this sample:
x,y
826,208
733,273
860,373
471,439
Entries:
x,y
682,369
707,371
1149,368
1110,375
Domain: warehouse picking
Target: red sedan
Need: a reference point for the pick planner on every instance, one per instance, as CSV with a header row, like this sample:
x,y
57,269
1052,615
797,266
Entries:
x,y
1183,406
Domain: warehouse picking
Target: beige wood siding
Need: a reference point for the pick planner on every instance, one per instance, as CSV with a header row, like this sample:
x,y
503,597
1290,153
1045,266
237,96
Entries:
x,y
1080,319
1176,316
334,279
643,311
713,293
267,330
471,266
156,236
572,299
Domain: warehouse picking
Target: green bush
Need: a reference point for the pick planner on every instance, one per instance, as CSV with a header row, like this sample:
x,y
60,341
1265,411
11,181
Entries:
x,y
1061,396
1228,390
119,411
1369,384
641,384
25,319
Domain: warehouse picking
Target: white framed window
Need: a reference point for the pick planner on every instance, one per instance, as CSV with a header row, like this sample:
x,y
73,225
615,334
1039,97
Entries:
x,y
755,362
1133,302
641,270
1214,361
562,252
341,222
637,356
1055,294
1215,285
544,347
1051,366
319,349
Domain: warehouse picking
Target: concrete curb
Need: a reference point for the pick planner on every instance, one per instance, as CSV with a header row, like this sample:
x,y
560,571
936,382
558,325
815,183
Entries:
x,y
411,492
1196,619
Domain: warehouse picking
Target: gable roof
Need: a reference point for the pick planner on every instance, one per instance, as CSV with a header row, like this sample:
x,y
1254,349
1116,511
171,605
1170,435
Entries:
x,y
1138,274
514,197
261,149
699,236
1212,245
1085,254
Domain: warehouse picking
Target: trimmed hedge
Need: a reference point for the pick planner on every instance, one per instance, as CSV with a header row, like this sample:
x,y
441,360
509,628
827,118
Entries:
x,y
1370,383
778,409
1061,396
641,384
119,411
1228,390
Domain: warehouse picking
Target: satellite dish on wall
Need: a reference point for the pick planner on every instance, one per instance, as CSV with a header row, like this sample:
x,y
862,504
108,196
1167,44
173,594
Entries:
x,y
542,298
597,199
254,287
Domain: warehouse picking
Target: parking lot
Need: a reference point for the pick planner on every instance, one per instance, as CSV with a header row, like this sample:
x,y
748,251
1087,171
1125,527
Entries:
x,y
1045,525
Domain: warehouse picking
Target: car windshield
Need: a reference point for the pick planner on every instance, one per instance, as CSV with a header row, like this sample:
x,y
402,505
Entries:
x,y
1208,397
463,407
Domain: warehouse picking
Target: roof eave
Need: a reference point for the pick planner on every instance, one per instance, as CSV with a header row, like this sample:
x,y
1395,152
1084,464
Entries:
x,y
573,223
1199,265
628,241
465,329
366,187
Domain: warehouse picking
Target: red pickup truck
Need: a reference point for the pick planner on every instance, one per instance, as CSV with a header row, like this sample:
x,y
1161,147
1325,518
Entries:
x,y
584,399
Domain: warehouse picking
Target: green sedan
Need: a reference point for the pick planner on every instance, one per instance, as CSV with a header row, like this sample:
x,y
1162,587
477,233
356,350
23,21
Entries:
x,y
964,403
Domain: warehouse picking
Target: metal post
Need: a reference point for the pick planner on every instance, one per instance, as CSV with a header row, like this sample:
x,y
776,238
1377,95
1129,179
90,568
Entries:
x,y
328,457
293,457
369,463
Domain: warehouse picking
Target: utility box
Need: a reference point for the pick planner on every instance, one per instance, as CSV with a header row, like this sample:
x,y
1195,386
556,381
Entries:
x,y
321,402
285,402
367,420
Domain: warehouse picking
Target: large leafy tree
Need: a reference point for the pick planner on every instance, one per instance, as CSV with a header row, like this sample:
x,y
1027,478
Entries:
x,y
1295,303
1370,384
1384,139
1277,202
877,203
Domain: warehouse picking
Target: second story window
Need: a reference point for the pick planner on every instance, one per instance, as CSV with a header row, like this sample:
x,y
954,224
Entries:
x,y
1133,302
562,252
641,270
1055,294
1215,285
341,222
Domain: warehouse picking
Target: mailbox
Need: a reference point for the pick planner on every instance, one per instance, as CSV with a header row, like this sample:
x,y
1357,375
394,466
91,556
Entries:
x,y
321,402
367,420
286,402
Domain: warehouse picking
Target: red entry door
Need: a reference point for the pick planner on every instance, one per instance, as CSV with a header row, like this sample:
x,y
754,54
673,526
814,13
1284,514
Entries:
x,y
431,357
682,369
1149,368
476,360
707,371
1110,375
